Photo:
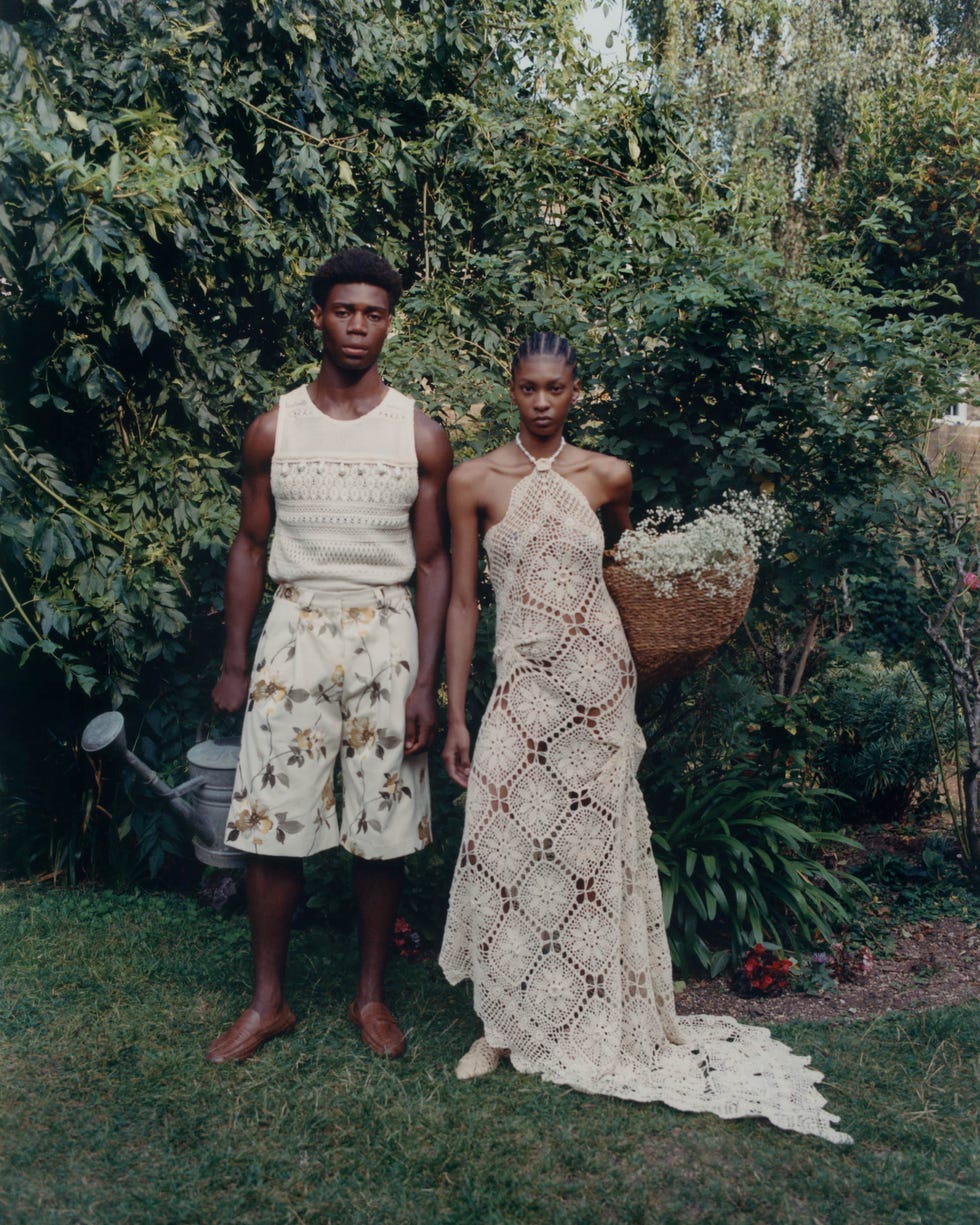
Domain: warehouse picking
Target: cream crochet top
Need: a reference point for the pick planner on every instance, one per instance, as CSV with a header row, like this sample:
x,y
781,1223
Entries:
x,y
344,491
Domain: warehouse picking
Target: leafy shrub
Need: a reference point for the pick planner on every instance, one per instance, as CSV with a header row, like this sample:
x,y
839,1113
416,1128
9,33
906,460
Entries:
x,y
886,603
907,197
736,870
160,214
881,739
722,722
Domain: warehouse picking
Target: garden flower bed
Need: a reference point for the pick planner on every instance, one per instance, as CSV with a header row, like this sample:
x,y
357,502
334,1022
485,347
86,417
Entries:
x,y
923,931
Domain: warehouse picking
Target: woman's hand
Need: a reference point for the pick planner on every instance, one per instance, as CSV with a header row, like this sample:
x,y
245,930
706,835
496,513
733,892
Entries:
x,y
456,754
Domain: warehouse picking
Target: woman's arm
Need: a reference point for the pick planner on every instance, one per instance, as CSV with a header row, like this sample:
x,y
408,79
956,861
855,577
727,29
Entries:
x,y
462,617
618,488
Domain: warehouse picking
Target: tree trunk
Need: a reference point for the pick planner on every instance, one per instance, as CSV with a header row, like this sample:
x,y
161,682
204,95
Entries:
x,y
971,814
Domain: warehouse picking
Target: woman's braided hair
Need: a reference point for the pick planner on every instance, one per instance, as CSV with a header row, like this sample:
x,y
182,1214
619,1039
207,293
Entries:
x,y
545,344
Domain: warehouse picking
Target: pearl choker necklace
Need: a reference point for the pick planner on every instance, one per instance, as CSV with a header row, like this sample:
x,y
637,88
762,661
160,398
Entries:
x,y
544,463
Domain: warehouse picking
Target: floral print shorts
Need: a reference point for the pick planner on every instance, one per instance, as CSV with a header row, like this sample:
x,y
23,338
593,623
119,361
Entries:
x,y
332,675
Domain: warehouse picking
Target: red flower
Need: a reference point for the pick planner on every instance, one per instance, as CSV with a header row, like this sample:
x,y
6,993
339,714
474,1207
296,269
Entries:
x,y
407,942
763,972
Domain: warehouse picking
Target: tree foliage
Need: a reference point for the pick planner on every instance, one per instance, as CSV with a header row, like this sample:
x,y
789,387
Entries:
x,y
720,371
939,541
908,200
173,174
777,85
176,171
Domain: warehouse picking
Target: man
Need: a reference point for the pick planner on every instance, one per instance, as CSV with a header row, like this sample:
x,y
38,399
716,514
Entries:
x,y
353,476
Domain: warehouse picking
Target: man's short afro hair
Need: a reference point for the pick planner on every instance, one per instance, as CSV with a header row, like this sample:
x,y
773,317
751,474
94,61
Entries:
x,y
356,266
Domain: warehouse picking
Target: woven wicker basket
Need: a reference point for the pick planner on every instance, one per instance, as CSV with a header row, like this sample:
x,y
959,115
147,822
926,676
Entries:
x,y
672,635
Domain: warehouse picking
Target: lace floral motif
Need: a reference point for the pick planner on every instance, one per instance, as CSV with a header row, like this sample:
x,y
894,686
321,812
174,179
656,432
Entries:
x,y
555,912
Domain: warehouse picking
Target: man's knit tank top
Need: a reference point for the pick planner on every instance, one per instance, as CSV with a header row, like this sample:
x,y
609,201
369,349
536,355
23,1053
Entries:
x,y
344,491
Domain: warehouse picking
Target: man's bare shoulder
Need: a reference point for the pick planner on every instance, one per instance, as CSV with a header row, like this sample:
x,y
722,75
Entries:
x,y
264,424
427,426
431,442
260,440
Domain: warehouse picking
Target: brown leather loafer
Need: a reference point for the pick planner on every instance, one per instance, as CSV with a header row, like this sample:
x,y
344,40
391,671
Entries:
x,y
248,1033
379,1029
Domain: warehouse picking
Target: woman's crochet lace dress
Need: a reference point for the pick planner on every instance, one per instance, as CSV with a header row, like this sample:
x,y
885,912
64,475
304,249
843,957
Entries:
x,y
555,911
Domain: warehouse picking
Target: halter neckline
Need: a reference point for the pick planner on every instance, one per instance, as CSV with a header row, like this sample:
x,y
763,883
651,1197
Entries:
x,y
542,464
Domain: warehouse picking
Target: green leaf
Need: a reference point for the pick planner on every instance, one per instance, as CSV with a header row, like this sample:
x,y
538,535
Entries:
x,y
141,325
46,115
667,890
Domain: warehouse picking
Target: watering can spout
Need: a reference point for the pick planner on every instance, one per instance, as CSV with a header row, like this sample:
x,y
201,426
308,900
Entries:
x,y
210,761
107,734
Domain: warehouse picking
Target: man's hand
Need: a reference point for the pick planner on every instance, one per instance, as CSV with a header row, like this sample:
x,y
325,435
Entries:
x,y
230,692
456,755
420,719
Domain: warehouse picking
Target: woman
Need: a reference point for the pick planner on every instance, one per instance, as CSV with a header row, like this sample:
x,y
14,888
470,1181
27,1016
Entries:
x,y
555,912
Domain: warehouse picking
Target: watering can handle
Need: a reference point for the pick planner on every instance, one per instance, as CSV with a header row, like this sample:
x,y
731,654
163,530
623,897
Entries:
x,y
203,727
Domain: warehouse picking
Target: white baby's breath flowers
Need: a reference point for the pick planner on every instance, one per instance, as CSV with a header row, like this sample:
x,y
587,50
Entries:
x,y
719,550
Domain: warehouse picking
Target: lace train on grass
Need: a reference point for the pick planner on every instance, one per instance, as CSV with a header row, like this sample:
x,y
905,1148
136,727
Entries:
x,y
555,912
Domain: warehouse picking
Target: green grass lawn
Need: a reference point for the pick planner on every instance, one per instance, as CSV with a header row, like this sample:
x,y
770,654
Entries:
x,y
109,1112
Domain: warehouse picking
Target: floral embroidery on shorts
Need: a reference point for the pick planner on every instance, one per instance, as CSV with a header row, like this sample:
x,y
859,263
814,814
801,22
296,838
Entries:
x,y
252,818
393,790
360,618
361,734
352,708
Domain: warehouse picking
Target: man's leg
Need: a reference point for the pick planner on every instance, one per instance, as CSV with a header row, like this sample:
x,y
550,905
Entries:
x,y
385,793
377,886
273,889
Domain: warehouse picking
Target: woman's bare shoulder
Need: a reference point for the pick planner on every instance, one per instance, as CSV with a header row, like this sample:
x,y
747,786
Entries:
x,y
619,473
468,480
474,472
615,474
468,473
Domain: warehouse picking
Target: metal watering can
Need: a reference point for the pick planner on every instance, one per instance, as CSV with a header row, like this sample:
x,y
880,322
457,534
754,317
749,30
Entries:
x,y
211,764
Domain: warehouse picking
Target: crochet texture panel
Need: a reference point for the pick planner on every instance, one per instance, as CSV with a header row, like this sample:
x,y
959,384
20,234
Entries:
x,y
333,516
344,491
555,912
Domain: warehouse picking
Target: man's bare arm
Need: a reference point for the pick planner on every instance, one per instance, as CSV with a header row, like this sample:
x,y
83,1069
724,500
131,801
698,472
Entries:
x,y
245,576
463,616
430,529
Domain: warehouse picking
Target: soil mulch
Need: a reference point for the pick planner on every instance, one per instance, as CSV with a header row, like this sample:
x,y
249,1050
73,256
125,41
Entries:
x,y
934,963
